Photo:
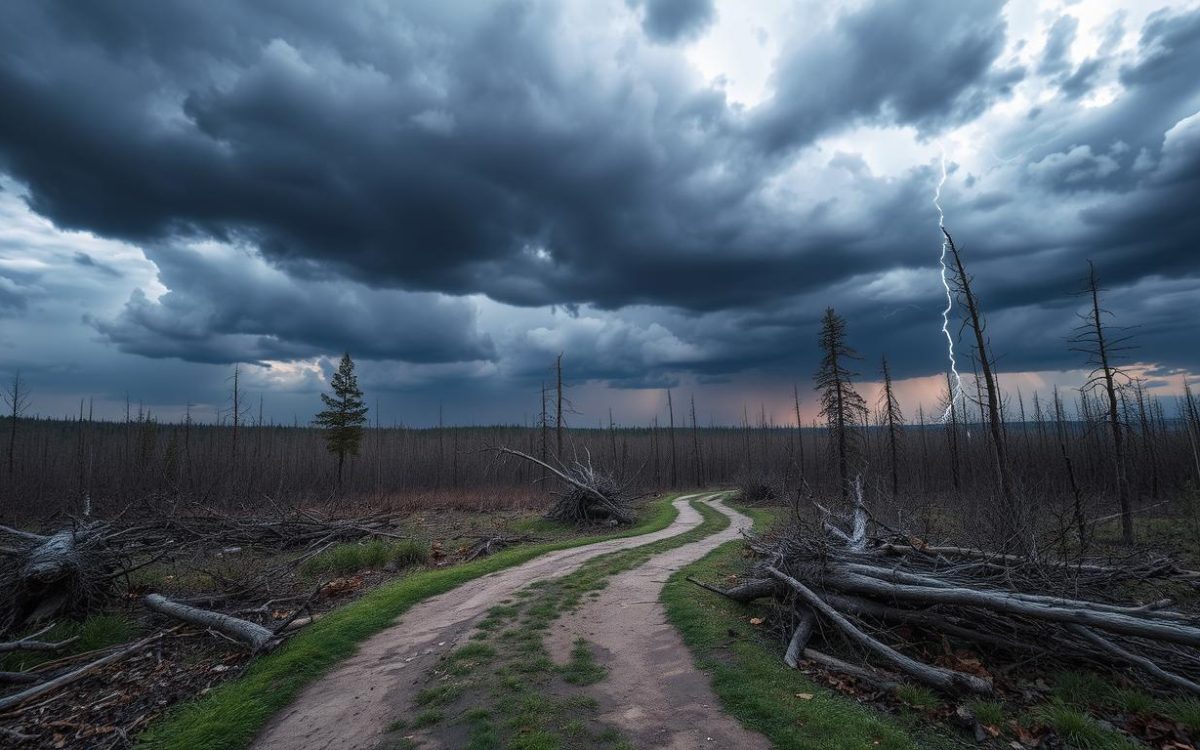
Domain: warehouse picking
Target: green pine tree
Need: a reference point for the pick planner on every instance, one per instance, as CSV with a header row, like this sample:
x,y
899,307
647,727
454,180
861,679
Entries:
x,y
344,414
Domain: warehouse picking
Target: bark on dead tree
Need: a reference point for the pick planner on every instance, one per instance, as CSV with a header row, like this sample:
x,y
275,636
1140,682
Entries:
x,y
253,635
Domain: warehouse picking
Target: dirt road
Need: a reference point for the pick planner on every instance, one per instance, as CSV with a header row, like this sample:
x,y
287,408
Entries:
x,y
352,706
653,693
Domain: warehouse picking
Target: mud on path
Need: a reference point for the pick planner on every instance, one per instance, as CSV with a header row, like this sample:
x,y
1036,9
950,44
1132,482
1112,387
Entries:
x,y
353,705
653,692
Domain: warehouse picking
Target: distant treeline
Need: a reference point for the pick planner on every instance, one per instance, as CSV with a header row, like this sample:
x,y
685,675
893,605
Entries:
x,y
1059,452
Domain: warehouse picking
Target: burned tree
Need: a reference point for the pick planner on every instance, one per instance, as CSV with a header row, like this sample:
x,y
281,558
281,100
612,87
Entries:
x,y
16,397
841,405
590,496
856,590
1095,340
1010,522
893,418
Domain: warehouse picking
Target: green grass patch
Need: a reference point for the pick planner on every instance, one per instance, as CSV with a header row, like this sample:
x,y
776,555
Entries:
x,y
229,716
428,719
583,669
918,696
1079,730
988,712
95,632
343,559
750,678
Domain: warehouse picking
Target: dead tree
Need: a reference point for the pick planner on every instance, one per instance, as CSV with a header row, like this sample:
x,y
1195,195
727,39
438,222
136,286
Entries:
x,y
249,634
889,409
590,496
17,398
1093,339
841,405
1011,521
862,588
671,428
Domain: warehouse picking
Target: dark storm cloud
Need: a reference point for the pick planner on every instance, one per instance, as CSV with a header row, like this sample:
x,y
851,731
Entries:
x,y
220,310
672,20
882,63
472,148
457,151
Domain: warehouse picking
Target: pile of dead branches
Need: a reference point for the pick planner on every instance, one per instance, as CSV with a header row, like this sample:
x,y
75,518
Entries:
x,y
588,496
296,529
861,591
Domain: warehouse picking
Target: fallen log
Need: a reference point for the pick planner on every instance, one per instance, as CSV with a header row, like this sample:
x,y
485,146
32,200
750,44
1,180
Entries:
x,y
800,638
1000,602
29,644
248,633
74,675
872,677
944,679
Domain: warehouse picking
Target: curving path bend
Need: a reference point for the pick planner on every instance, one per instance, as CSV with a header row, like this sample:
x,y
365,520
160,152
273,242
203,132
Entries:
x,y
653,691
352,706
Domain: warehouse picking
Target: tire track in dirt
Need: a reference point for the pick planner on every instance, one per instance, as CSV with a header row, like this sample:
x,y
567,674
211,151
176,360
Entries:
x,y
653,692
352,706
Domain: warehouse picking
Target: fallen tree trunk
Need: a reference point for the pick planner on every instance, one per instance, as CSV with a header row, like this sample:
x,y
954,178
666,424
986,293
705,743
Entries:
x,y
255,636
1000,602
871,591
74,675
944,679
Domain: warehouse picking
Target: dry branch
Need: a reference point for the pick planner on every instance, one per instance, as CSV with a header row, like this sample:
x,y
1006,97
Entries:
x,y
865,585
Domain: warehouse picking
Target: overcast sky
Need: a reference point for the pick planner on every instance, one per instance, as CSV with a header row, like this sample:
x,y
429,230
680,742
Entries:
x,y
669,192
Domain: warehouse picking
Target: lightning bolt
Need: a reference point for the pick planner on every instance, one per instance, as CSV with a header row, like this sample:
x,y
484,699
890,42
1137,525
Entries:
x,y
937,203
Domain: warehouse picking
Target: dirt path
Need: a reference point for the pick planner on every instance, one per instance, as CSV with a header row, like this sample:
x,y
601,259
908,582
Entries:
x,y
352,706
653,692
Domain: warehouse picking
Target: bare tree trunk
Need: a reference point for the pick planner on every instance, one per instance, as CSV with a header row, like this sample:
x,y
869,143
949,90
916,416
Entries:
x,y
671,417
558,415
1014,523
1114,419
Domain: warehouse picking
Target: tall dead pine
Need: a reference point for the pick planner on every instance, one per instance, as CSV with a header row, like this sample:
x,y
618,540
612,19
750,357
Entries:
x,y
1011,522
841,405
1093,338
893,418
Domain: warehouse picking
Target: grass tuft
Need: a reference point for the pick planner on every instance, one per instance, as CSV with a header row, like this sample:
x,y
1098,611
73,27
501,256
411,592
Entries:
x,y
918,696
1079,730
988,712
583,669
352,557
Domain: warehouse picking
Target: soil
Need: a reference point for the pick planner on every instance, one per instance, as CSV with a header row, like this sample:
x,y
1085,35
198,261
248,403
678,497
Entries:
x,y
653,692
353,706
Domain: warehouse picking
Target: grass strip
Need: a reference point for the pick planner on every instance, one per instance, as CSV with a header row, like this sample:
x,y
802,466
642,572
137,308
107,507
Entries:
x,y
231,715
748,673
506,669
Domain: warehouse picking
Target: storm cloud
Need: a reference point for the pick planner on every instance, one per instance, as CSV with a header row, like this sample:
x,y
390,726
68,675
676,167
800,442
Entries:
x,y
479,186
